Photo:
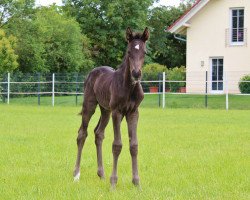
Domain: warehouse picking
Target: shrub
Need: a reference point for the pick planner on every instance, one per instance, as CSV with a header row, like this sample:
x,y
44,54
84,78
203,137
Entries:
x,y
3,87
8,57
177,74
1,95
245,86
151,71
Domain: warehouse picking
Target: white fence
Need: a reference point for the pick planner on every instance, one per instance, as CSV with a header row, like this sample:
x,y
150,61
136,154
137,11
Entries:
x,y
53,85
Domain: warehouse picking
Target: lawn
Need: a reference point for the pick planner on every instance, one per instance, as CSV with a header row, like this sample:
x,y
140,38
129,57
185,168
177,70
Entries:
x,y
183,154
238,102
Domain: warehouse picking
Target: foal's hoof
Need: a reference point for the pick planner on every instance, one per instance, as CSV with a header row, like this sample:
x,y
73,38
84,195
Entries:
x,y
100,173
76,176
136,181
113,181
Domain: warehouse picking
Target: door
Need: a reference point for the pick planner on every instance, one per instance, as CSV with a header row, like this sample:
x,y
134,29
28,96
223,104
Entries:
x,y
217,74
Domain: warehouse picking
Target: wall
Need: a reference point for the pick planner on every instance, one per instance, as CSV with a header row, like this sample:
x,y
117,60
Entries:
x,y
206,38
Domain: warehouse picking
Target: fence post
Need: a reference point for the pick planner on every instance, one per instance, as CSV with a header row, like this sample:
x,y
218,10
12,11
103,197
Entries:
x,y
206,91
159,89
227,103
8,91
53,89
163,89
76,87
39,89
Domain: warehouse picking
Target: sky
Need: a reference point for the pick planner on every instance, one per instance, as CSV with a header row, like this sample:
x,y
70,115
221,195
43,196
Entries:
x,y
161,2
168,3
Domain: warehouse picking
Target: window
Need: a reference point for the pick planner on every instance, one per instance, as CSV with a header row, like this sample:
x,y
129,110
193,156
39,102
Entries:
x,y
237,27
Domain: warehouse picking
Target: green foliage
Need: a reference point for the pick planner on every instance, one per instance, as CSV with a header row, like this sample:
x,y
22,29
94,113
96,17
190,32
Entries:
x,y
15,9
244,86
65,48
51,42
105,22
30,46
176,74
86,33
151,71
165,49
8,58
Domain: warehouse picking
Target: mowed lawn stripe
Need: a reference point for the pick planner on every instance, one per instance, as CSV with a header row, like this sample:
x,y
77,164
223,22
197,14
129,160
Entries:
x,y
183,154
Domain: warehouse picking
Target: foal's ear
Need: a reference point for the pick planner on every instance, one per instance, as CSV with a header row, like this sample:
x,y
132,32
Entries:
x,y
145,35
129,34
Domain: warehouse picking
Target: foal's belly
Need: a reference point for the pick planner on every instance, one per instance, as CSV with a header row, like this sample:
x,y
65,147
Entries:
x,y
102,89
103,99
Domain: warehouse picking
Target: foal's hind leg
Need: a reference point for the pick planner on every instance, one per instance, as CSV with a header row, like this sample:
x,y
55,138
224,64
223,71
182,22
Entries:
x,y
89,106
99,136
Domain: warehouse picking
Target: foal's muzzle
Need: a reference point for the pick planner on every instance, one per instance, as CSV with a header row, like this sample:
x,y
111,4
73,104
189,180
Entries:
x,y
136,74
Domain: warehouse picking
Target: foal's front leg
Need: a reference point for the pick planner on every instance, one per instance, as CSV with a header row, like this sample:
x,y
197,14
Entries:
x,y
117,144
132,120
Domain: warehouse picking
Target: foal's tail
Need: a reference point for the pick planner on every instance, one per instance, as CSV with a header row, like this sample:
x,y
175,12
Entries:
x,y
85,82
84,87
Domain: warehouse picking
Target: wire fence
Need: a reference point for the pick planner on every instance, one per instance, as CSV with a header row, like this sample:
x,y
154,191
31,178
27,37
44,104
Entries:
x,y
199,90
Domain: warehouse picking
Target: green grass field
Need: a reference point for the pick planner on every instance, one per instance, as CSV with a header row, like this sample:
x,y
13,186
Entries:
x,y
183,154
236,102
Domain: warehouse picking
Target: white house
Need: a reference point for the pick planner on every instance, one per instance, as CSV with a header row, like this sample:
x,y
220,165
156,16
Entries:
x,y
217,42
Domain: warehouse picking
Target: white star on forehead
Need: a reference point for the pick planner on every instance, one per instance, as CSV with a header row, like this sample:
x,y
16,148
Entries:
x,y
137,46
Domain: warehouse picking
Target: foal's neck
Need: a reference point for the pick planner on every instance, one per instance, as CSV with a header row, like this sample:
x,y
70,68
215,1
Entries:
x,y
126,74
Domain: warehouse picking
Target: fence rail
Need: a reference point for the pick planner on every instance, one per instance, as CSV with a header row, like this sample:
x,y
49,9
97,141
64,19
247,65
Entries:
x,y
54,85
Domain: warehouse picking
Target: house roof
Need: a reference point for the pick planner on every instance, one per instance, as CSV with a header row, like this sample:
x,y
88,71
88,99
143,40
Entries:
x,y
180,24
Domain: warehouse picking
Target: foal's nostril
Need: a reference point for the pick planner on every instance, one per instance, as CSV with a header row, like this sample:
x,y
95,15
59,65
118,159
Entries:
x,y
136,74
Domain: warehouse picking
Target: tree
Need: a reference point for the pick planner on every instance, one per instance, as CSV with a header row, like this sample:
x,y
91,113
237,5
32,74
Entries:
x,y
14,9
8,58
30,47
50,42
105,22
165,49
65,48
16,19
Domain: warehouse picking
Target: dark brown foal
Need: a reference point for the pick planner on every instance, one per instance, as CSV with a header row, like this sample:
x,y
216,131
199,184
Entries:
x,y
118,93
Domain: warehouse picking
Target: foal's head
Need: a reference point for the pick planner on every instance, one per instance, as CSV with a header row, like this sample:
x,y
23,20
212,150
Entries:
x,y
136,52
